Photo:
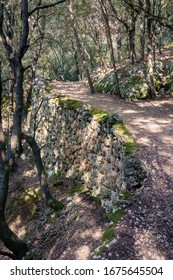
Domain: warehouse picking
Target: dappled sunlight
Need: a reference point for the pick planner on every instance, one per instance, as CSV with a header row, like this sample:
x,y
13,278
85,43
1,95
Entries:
x,y
150,122
146,246
18,227
94,235
83,252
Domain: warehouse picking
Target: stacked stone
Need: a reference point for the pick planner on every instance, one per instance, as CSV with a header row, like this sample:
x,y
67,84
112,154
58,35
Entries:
x,y
76,144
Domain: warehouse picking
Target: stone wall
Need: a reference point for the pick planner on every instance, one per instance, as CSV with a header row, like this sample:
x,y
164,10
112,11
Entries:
x,y
86,144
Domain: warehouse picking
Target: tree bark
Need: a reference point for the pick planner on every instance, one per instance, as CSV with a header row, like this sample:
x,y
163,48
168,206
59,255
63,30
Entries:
x,y
9,238
119,44
110,45
50,201
150,67
79,45
142,38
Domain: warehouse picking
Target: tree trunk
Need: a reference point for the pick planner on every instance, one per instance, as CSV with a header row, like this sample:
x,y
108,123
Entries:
x,y
16,145
142,39
110,45
36,56
79,45
131,34
76,62
50,201
150,67
10,240
119,44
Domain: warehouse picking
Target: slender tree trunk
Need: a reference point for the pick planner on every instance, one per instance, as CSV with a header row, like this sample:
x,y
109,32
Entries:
x,y
50,201
150,63
132,46
79,45
17,120
76,62
131,34
110,45
119,44
11,99
160,43
32,73
142,39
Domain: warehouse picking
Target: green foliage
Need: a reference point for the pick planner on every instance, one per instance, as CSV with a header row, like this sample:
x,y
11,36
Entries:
x,y
34,215
124,195
56,204
33,256
116,216
76,189
54,217
109,234
58,183
100,250
98,199
56,175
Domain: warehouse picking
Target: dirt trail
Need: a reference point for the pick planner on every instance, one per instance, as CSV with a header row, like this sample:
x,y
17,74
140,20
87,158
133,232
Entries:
x,y
146,232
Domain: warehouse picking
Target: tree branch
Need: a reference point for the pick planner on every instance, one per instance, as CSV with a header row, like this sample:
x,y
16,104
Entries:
x,y
50,200
11,256
45,6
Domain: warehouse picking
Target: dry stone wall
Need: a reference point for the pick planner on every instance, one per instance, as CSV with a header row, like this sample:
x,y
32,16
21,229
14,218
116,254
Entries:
x,y
84,145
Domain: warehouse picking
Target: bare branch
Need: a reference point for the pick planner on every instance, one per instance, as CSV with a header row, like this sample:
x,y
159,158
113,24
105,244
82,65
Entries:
x,y
11,256
46,6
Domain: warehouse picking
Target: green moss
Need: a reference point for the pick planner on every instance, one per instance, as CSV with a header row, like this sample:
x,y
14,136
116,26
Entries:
x,y
75,104
130,146
56,204
124,195
34,216
121,129
55,216
98,113
98,199
76,189
58,183
129,143
71,103
32,256
100,250
48,89
116,216
56,175
75,218
109,234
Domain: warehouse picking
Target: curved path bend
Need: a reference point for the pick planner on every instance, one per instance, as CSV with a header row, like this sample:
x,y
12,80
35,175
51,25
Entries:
x,y
146,232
